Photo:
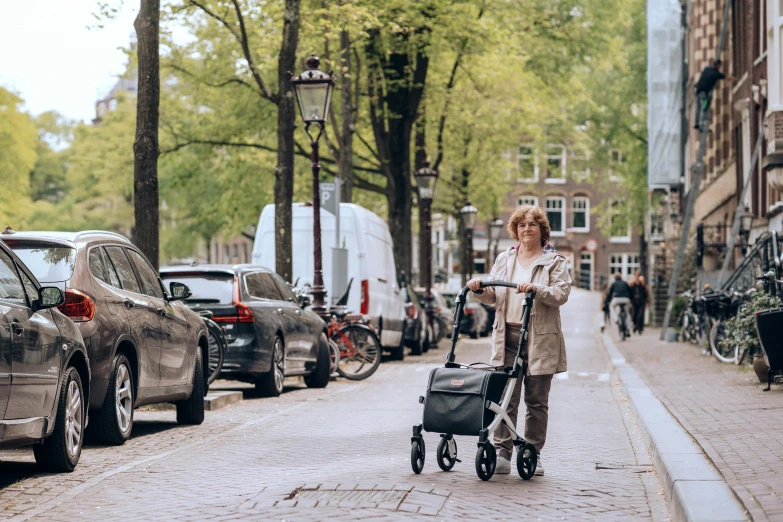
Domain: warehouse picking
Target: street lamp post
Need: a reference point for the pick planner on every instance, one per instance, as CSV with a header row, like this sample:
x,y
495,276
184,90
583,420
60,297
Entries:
x,y
425,181
494,235
746,223
314,94
468,214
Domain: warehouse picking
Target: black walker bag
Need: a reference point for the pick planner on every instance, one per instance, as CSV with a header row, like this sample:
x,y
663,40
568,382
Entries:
x,y
456,399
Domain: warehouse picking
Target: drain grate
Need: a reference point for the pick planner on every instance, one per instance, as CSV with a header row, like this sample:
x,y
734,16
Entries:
x,y
401,498
634,468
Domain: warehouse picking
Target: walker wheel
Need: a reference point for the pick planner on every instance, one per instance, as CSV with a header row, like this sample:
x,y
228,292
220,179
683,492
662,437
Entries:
x,y
447,458
486,460
417,455
527,460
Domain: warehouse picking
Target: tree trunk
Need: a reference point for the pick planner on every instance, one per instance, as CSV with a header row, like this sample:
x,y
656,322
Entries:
x,y
347,111
286,123
145,146
420,156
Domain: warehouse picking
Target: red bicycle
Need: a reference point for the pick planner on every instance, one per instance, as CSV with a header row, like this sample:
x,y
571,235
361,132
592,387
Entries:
x,y
355,347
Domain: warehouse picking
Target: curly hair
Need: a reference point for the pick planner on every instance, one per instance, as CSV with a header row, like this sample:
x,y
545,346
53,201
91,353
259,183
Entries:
x,y
538,215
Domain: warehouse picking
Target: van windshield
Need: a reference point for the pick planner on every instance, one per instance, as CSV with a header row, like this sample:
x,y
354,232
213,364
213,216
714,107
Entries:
x,y
206,287
49,263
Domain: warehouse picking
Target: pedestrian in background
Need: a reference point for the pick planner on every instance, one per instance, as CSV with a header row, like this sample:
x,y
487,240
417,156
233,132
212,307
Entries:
x,y
605,307
640,297
534,266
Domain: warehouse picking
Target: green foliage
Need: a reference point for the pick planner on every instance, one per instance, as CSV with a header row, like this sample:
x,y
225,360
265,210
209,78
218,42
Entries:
x,y
741,329
18,143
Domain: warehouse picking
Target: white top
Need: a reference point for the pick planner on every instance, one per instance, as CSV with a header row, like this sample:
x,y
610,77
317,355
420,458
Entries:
x,y
514,301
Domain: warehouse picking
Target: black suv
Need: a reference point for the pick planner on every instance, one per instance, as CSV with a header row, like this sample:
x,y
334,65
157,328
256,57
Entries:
x,y
44,370
144,346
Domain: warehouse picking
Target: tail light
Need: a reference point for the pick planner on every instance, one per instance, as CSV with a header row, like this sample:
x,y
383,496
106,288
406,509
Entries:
x,y
411,311
78,306
244,313
468,311
365,306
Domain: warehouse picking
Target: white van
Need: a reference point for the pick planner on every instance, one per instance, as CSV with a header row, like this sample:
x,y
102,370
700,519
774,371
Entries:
x,y
374,290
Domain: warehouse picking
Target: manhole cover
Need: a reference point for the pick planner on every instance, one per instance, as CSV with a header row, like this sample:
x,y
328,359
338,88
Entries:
x,y
406,498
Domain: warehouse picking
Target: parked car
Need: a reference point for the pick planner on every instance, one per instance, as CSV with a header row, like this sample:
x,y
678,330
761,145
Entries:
x,y
489,323
474,319
44,369
145,347
440,308
369,260
417,331
270,334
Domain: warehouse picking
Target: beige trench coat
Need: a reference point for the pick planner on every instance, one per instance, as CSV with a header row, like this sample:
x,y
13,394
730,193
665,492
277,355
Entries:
x,y
546,345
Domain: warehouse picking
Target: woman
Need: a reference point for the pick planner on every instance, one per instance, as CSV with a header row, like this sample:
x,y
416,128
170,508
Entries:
x,y
533,265
640,296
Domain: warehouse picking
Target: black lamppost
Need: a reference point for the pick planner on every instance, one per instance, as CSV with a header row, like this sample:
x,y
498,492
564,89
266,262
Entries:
x,y
425,181
314,94
468,214
495,226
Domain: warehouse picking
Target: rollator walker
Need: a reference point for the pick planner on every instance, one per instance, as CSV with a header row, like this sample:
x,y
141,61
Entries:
x,y
466,400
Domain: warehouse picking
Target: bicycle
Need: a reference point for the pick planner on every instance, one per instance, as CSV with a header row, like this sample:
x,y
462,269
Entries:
x,y
217,345
355,345
622,323
689,323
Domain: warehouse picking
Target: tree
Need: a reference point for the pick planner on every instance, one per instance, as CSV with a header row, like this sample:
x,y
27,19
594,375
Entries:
x,y
18,144
145,147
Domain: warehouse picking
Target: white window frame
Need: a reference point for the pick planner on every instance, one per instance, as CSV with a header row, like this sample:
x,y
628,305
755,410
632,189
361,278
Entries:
x,y
617,239
527,200
612,161
586,210
627,263
562,201
534,156
559,156
656,235
591,260
580,175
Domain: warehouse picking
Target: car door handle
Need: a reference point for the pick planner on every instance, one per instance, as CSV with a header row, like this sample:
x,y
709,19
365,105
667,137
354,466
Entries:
x,y
161,312
17,328
128,303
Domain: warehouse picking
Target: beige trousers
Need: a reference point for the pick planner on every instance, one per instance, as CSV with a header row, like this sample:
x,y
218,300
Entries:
x,y
536,401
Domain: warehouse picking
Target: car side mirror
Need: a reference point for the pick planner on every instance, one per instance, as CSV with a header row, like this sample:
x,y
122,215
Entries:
x,y
49,297
304,301
178,291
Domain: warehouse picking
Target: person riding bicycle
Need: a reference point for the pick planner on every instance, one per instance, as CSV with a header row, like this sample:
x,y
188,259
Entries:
x,y
710,76
619,294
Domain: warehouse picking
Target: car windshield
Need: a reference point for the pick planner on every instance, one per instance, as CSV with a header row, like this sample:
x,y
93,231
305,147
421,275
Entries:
x,y
206,288
48,263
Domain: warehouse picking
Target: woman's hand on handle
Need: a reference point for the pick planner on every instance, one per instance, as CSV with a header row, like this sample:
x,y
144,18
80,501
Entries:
x,y
474,285
523,288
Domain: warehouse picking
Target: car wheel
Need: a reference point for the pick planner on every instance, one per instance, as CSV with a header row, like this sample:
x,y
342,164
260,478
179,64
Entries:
x,y
191,410
417,347
474,334
61,451
398,354
114,421
271,383
323,366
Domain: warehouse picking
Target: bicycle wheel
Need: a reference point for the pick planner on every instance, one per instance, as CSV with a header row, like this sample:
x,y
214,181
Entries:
x,y
334,355
217,347
438,329
717,334
360,351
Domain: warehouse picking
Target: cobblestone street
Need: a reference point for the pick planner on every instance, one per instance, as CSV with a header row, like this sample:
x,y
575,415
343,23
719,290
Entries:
x,y
343,453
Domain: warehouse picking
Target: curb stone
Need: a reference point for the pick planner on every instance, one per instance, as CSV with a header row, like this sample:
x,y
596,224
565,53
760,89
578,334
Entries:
x,y
695,491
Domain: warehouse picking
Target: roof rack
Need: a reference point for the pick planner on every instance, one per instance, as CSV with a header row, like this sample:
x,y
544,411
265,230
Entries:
x,y
99,232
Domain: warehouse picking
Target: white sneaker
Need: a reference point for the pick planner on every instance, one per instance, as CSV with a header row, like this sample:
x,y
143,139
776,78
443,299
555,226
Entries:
x,y
539,468
503,466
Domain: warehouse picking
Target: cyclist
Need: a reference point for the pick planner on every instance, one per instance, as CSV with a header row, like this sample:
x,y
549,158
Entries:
x,y
619,294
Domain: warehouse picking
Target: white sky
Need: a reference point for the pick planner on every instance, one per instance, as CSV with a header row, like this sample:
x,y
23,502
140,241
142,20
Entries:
x,y
51,59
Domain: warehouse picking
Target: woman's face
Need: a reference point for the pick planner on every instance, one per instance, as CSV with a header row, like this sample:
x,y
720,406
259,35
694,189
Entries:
x,y
529,231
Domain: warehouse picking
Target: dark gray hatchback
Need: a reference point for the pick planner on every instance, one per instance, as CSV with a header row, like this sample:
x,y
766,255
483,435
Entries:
x,y
270,336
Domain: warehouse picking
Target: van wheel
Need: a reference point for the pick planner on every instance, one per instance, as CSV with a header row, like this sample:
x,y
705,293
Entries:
x,y
323,366
398,354
270,384
114,421
61,451
191,411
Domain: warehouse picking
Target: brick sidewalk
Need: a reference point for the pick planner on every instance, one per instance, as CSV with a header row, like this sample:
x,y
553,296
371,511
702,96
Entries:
x,y
722,406
343,454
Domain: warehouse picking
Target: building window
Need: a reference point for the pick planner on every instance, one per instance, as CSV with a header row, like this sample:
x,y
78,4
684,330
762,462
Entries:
x,y
656,225
555,164
586,270
580,214
625,264
615,160
527,200
555,212
527,164
579,166
619,224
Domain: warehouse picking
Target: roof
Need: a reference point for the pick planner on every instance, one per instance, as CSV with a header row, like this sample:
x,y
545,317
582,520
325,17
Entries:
x,y
224,268
71,237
